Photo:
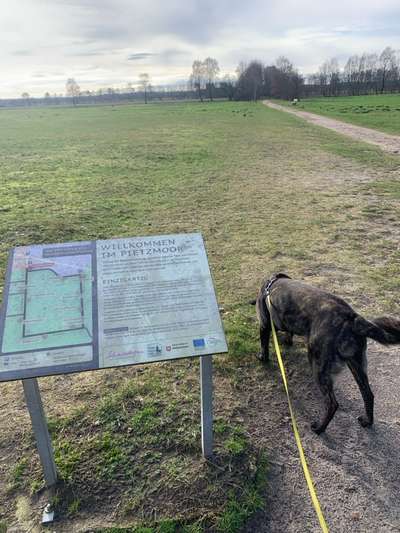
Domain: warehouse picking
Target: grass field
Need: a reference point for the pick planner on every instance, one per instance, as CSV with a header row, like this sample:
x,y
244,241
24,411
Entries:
x,y
380,112
269,193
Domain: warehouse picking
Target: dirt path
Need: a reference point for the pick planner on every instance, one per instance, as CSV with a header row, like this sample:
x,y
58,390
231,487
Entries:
x,y
356,471
388,143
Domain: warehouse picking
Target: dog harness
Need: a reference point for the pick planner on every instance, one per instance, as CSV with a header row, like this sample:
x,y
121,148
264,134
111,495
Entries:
x,y
267,289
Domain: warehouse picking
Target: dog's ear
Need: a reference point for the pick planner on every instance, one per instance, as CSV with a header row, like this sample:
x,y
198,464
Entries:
x,y
282,275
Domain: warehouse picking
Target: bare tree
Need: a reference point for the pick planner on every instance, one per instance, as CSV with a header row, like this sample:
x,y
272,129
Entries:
x,y
228,85
241,68
72,89
144,83
323,77
351,73
371,68
197,77
286,81
388,65
329,76
284,65
362,74
211,71
26,97
251,81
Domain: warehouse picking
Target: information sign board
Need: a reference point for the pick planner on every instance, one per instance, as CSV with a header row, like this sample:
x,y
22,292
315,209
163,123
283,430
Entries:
x,y
87,305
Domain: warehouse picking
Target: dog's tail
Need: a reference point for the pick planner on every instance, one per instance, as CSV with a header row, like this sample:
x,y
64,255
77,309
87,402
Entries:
x,y
385,329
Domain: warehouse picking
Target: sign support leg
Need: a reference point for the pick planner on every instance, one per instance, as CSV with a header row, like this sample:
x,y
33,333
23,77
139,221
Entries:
x,y
206,405
40,430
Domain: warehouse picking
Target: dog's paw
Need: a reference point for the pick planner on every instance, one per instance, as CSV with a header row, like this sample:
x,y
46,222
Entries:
x,y
317,428
364,421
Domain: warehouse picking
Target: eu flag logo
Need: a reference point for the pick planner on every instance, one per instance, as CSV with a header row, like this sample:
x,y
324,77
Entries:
x,y
199,343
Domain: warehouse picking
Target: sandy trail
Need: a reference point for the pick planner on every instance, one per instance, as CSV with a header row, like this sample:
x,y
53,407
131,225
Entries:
x,y
355,470
388,143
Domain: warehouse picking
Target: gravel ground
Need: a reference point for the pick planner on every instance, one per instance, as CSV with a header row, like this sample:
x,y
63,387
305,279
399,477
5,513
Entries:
x,y
388,143
355,470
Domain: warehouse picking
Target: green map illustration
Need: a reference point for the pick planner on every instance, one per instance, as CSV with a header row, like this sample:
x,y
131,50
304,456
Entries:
x,y
49,302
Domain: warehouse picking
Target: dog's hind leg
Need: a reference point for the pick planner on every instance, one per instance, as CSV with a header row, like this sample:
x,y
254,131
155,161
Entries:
x,y
326,386
322,375
265,328
265,332
361,378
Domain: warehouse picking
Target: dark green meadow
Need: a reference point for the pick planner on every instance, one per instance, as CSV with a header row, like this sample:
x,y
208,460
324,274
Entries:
x,y
380,112
269,193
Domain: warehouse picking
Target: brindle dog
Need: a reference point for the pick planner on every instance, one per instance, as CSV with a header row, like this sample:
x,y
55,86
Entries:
x,y
335,334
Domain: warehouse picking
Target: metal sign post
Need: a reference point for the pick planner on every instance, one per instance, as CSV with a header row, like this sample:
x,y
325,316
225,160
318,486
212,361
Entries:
x,y
79,306
206,405
40,430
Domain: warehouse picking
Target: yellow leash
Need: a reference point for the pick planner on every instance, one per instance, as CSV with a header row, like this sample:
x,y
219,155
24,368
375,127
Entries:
x,y
306,471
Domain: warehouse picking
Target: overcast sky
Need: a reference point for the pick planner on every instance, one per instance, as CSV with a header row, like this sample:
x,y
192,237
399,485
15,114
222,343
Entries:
x,y
103,43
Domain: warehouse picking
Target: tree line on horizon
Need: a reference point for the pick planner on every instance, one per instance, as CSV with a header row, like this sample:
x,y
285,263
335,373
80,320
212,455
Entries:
x,y
369,73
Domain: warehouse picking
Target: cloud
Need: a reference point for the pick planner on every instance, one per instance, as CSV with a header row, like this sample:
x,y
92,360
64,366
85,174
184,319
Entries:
x,y
87,53
139,56
21,53
115,38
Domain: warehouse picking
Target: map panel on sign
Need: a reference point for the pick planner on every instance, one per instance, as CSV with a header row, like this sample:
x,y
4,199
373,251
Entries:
x,y
81,306
49,306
